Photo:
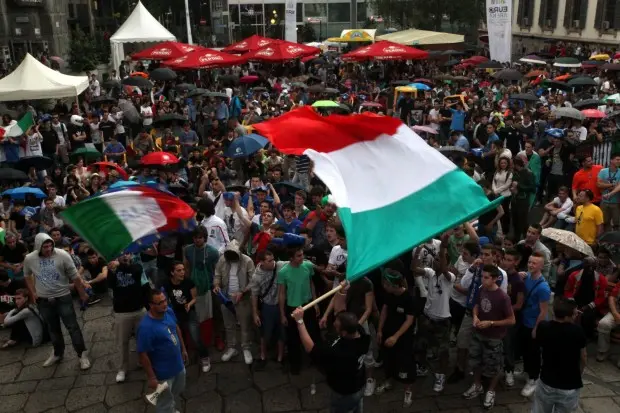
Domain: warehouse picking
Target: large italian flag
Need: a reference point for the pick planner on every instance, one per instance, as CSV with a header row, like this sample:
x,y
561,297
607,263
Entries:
x,y
17,128
112,221
393,191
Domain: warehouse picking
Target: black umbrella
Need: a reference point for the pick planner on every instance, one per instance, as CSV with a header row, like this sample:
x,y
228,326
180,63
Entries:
x,y
102,99
259,89
163,74
316,88
129,111
555,84
403,82
197,92
331,91
527,97
491,64
606,238
168,118
452,53
453,151
452,62
610,66
138,81
587,104
286,188
508,74
181,87
10,174
111,83
38,162
300,85
582,81
216,95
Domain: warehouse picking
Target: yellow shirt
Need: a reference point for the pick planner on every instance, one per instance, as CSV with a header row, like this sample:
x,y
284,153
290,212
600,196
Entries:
x,y
588,218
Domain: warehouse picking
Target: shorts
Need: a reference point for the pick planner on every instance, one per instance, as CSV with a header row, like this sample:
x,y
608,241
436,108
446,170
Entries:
x,y
486,353
271,327
399,362
464,337
433,334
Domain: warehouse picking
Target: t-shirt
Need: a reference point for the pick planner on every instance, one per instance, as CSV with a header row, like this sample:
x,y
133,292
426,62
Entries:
x,y
19,219
107,129
159,340
146,111
297,283
493,306
76,130
33,146
461,268
458,120
292,227
337,257
587,219
14,255
439,288
398,308
536,292
356,296
611,177
126,285
587,180
179,295
455,245
561,345
515,286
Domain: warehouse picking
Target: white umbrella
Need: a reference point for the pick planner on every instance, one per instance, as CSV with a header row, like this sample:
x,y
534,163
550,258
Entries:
x,y
533,59
569,113
568,239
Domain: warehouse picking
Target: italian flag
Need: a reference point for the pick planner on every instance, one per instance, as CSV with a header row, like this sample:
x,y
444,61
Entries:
x,y
392,189
112,221
17,128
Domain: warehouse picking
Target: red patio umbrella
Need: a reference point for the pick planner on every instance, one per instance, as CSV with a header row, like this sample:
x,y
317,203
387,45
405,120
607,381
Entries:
x,y
165,51
203,59
159,159
476,59
249,79
385,50
110,165
252,43
281,51
593,113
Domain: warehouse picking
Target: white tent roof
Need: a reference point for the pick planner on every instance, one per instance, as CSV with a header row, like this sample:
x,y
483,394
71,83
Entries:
x,y
33,80
141,26
415,37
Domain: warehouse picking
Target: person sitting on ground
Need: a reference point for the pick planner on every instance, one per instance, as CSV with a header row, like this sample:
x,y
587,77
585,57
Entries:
x,y
24,321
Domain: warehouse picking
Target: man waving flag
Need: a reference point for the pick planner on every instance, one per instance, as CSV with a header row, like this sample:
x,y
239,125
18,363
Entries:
x,y
393,191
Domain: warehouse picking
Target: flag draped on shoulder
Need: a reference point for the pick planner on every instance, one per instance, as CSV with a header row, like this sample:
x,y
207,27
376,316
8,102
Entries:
x,y
112,221
392,189
17,128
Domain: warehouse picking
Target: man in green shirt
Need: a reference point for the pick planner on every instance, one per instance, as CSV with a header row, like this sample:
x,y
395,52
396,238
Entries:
x,y
295,289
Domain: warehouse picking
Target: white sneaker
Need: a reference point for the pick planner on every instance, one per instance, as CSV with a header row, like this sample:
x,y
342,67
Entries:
x,y
247,356
369,390
440,381
509,379
120,376
473,392
382,388
51,360
84,362
529,388
230,353
408,399
489,400
205,364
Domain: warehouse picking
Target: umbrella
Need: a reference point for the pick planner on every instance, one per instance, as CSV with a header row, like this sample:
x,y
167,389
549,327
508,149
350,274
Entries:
x,y
229,79
245,145
614,114
420,86
527,97
165,50
111,83
317,61
248,79
259,89
22,191
385,50
533,59
216,95
568,239
10,174
138,81
452,62
602,56
403,82
582,81
508,74
569,113
88,153
58,60
123,184
40,163
140,74
331,91
491,64
554,84
615,98
280,52
111,165
197,92
593,113
452,53
536,73
163,74
290,187
168,118
325,104
316,88
555,133
610,238
592,63
102,99
424,129
587,104
253,42
183,87
461,79
129,111
569,62
372,105
299,84
444,77
610,66
159,159
425,81
452,151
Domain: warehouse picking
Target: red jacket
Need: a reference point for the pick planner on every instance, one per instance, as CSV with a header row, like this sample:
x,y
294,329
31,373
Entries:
x,y
600,287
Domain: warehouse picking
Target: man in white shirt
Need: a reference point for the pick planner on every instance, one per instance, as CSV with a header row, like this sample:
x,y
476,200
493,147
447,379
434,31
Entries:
x,y
434,117
216,227
580,133
95,89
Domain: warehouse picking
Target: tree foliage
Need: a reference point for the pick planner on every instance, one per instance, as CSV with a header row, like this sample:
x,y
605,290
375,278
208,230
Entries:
x,y
84,53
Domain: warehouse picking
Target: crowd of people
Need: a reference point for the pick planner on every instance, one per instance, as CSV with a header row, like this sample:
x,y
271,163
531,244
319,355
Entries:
x,y
269,241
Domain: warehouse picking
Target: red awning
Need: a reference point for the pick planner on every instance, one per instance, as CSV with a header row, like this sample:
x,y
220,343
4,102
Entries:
x,y
281,51
252,43
165,51
204,59
385,50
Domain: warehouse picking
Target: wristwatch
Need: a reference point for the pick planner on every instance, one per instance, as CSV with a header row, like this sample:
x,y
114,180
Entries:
x,y
300,321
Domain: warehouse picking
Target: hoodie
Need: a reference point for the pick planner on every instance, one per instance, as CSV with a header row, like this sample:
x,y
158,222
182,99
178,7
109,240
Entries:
x,y
53,274
223,267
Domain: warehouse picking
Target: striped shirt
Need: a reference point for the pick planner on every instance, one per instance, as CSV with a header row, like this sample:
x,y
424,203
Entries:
x,y
302,164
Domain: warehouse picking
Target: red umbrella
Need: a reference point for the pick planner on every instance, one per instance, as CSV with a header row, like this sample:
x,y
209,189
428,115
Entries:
x,y
253,42
385,50
159,158
593,113
248,79
204,59
281,51
308,58
164,51
476,59
372,105
111,165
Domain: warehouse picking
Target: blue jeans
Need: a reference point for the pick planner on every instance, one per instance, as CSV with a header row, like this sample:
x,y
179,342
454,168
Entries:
x,y
551,400
347,403
55,309
165,401
193,326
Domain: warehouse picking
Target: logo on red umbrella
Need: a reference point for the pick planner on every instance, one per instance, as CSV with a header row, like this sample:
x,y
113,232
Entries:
x,y
294,49
262,43
162,52
179,60
394,49
242,45
265,52
209,57
187,48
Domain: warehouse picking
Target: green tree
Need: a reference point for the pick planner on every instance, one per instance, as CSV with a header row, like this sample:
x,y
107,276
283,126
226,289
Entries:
x,y
83,52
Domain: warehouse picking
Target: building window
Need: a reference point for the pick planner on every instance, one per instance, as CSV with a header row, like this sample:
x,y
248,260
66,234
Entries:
x,y
527,7
339,12
315,10
300,12
233,11
362,12
576,10
609,15
251,14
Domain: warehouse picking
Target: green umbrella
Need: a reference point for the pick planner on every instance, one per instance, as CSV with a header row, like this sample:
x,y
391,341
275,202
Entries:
x,y
325,104
615,98
89,154
570,62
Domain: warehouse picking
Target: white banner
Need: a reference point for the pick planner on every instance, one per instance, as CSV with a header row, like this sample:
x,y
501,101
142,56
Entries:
x,y
499,26
290,21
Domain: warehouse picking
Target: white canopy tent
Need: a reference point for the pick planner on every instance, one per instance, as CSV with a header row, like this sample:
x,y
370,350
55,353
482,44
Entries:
x,y
139,27
33,80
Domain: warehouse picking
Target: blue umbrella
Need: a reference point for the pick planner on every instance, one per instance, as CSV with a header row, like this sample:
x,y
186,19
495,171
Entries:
x,y
20,193
123,184
246,145
420,86
555,133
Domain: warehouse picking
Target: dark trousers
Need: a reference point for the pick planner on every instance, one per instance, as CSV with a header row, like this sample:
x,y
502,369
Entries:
x,y
292,335
510,348
54,310
505,219
20,333
553,183
531,352
520,211
457,312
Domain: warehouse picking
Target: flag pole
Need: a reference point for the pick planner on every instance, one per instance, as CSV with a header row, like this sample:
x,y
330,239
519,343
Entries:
x,y
321,298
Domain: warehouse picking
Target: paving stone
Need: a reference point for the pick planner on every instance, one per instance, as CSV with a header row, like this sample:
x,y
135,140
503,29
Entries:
x,y
9,372
248,400
595,390
320,400
281,399
270,378
509,397
23,387
306,376
131,375
520,407
59,383
100,326
605,371
136,406
61,409
44,400
67,368
12,355
96,312
97,408
195,386
454,402
13,403
105,364
420,405
102,348
232,378
37,355
84,380
36,372
84,397
599,405
122,393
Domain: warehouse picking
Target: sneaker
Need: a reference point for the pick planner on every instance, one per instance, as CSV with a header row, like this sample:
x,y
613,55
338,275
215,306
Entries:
x,y
247,356
120,376
382,388
260,364
408,399
509,379
473,392
421,371
205,364
456,376
601,356
369,390
440,381
94,299
489,400
377,364
529,388
230,353
84,362
51,360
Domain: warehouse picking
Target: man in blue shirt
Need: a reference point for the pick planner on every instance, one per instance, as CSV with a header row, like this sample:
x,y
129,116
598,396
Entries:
x,y
221,112
162,351
188,139
288,222
608,179
458,117
459,140
491,137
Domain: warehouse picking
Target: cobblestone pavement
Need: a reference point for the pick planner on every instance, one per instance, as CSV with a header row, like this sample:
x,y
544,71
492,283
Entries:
x,y
230,387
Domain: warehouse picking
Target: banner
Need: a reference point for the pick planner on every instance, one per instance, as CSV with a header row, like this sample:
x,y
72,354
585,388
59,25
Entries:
x,y
290,21
499,26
